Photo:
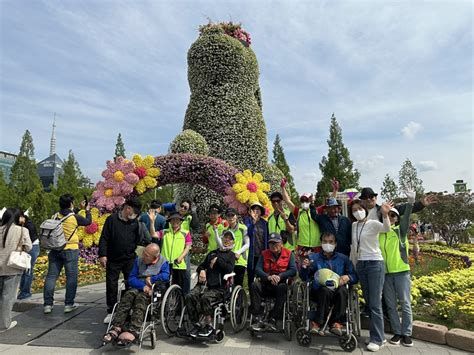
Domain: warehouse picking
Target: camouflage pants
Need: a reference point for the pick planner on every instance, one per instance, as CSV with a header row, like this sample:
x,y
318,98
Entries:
x,y
135,301
199,300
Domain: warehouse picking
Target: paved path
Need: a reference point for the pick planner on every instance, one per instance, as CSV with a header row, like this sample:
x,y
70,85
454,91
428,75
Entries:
x,y
80,333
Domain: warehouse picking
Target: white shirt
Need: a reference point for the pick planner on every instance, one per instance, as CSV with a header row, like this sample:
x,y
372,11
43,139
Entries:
x,y
373,214
365,238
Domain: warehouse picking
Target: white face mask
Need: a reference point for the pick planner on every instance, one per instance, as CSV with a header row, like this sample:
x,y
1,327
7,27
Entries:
x,y
132,216
359,215
305,205
328,248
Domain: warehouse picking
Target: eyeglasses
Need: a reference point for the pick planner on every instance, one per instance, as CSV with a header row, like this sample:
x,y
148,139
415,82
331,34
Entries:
x,y
276,201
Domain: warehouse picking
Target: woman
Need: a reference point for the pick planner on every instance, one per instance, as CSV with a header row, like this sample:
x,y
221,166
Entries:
x,y
370,266
11,236
257,229
27,277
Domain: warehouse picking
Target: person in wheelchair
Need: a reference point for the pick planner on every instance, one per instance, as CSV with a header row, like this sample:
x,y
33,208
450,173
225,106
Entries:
x,y
328,287
211,286
148,269
275,266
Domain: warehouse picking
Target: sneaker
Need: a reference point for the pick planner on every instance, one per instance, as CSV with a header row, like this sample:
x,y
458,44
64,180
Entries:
x,y
12,325
70,308
205,331
195,330
47,309
108,318
314,327
373,347
406,340
336,328
257,324
367,341
22,296
272,324
395,340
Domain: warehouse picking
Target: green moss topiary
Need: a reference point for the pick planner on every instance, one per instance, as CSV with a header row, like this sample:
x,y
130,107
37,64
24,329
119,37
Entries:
x,y
189,141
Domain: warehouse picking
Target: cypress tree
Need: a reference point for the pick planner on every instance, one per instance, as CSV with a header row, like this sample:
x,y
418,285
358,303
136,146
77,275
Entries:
x,y
119,147
389,188
279,160
408,178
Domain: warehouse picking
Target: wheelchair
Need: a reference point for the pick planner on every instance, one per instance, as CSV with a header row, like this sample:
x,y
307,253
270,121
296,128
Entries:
x,y
303,305
234,305
287,326
160,301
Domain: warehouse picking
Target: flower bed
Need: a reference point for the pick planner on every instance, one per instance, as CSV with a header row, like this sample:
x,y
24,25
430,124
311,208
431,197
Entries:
x,y
457,259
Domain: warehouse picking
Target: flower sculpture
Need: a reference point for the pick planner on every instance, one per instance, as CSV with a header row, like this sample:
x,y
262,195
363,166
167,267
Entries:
x,y
231,200
119,182
251,188
90,235
146,172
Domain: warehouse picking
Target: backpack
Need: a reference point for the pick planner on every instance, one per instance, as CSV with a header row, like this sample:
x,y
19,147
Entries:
x,y
51,233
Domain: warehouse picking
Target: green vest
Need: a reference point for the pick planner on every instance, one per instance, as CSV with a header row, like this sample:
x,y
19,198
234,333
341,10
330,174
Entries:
x,y
173,246
186,224
212,245
308,230
238,243
276,227
394,251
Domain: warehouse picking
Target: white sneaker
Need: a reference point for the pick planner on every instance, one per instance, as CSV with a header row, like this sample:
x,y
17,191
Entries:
x,y
47,309
70,308
367,341
374,347
12,325
108,318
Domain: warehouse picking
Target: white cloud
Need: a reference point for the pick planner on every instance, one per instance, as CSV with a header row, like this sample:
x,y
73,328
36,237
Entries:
x,y
427,165
411,129
369,164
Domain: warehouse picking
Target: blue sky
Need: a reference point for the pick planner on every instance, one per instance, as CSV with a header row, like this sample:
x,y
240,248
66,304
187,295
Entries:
x,y
397,75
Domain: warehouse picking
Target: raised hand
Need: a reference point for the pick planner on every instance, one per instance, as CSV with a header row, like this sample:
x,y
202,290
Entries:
x,y
386,207
429,200
410,194
283,183
335,184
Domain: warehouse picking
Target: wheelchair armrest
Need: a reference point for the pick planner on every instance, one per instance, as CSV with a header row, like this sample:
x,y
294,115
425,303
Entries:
x,y
228,276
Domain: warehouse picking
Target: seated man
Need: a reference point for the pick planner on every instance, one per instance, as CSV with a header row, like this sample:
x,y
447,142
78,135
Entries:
x,y
274,267
147,270
211,285
329,291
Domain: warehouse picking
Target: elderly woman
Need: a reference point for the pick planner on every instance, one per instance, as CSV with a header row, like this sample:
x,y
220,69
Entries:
x,y
12,237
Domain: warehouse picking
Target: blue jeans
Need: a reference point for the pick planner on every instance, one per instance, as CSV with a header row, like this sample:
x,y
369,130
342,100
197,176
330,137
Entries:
x,y
371,276
27,277
396,290
57,259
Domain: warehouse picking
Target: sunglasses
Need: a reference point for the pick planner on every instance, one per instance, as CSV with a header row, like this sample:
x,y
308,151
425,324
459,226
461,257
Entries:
x,y
230,215
276,201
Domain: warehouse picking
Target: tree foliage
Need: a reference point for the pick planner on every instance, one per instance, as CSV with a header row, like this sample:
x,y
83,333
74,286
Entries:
x,y
389,189
4,192
119,147
279,160
408,178
337,164
452,217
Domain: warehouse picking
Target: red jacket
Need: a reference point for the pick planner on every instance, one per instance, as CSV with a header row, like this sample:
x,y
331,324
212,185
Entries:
x,y
275,267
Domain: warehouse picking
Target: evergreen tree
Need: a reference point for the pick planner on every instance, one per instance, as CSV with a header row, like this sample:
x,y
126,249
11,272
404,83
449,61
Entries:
x,y
337,164
279,161
119,147
24,180
389,188
408,178
4,192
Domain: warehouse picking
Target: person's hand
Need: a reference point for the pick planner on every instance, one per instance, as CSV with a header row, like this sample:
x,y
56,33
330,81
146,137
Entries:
x,y
386,208
213,261
344,279
429,200
179,260
237,255
147,290
148,281
83,204
202,276
276,279
283,183
306,263
335,184
152,215
103,261
410,195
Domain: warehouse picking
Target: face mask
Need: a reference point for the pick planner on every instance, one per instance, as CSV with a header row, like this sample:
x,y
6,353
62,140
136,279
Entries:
x,y
359,215
132,216
305,205
328,248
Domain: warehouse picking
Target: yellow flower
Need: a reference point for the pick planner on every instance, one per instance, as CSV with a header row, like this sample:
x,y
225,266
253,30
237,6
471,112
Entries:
x,y
90,235
146,172
118,176
109,192
251,188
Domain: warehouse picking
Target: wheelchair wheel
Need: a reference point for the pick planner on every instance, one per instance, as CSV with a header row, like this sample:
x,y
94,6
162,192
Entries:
x,y
220,335
356,314
299,304
288,330
171,307
348,342
238,309
303,337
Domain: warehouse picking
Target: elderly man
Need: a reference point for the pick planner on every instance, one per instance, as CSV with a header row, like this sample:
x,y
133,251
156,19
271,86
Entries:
x,y
333,291
274,267
148,269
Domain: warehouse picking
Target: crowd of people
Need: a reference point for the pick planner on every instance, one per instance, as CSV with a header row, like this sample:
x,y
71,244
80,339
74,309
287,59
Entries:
x,y
369,246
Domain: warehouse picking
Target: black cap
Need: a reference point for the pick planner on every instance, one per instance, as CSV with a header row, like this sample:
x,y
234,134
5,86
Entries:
x,y
135,204
175,215
275,237
276,194
366,193
230,210
214,208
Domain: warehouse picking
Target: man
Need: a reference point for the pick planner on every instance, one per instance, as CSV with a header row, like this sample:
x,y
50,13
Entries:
x,y
121,235
370,199
153,220
190,223
211,285
281,219
323,293
208,235
274,267
67,258
147,270
333,222
176,243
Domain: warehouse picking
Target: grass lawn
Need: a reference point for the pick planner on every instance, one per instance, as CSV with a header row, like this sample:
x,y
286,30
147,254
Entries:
x,y
429,265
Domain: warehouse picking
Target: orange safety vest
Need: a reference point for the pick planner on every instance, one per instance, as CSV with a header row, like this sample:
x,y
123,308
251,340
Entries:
x,y
274,267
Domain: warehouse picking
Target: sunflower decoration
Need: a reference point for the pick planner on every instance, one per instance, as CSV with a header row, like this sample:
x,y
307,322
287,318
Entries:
x,y
251,188
90,235
146,172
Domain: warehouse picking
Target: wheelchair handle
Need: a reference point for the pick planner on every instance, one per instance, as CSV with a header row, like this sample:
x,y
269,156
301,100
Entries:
x,y
228,276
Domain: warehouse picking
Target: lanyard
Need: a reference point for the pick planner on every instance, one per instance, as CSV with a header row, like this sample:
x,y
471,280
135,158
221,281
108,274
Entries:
x,y
359,234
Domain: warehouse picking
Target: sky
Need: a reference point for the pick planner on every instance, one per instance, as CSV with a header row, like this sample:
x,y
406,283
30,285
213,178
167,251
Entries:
x,y
398,75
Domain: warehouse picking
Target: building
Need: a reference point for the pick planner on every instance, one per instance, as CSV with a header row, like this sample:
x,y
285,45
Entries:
x,y
460,186
6,162
50,168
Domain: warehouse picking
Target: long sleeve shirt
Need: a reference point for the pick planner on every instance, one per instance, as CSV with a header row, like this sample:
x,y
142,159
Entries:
x,y
136,278
365,238
290,272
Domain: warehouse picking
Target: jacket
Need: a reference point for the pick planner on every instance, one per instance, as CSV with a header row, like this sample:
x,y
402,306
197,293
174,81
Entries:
x,y
224,265
339,263
289,272
250,232
15,234
160,271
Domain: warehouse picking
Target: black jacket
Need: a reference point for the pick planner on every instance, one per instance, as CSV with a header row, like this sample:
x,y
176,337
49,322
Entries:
x,y
417,207
224,265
